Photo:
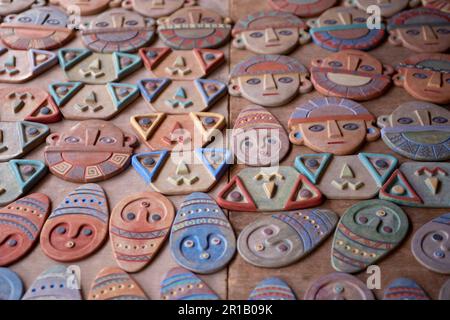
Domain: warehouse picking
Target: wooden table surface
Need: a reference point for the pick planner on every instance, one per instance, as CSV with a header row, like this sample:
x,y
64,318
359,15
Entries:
x,y
236,281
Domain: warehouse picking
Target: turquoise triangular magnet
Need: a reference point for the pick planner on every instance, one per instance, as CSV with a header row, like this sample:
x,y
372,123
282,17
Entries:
x,y
27,172
125,63
216,160
380,166
30,132
312,165
210,90
148,164
151,88
62,92
69,57
122,94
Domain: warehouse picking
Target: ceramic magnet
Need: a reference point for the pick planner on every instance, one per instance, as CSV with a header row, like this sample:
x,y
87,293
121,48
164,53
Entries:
x,y
157,8
387,7
443,5
272,289
11,286
85,7
15,6
302,8
138,228
404,289
444,293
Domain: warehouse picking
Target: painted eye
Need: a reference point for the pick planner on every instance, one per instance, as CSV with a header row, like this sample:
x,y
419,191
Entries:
x,y
363,220
285,80
131,216
335,64
253,81
271,140
215,241
351,126
53,22
25,19
61,230
12,243
360,19
387,229
285,32
316,128
256,34
405,120
188,243
283,247
87,232
330,21
155,217
437,237
440,120
413,32
247,143
179,20
131,23
439,254
107,140
208,20
420,75
367,68
102,24
268,231
443,31
72,139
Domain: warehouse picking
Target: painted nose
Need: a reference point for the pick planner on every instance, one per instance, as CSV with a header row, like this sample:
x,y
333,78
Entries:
x,y
195,17
333,129
74,230
157,3
92,136
424,117
445,246
428,33
374,223
203,243
345,18
436,80
118,21
269,82
271,35
353,63
42,18
142,215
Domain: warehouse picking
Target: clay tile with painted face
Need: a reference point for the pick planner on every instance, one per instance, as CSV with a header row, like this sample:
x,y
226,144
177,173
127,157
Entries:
x,y
351,74
15,6
85,7
332,125
387,7
418,131
157,8
194,27
426,77
443,5
302,8
421,30
269,80
270,32
345,28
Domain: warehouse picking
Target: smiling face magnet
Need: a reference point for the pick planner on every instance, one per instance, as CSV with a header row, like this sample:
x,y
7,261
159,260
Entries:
x,y
85,7
157,8
302,8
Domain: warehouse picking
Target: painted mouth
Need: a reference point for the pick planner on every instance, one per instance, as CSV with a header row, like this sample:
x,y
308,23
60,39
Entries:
x,y
336,142
270,94
432,91
272,45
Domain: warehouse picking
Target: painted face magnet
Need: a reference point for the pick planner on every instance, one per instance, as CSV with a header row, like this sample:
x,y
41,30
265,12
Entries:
x,y
351,74
284,238
180,173
302,8
180,284
387,7
78,101
442,5
444,293
82,65
157,8
404,289
17,66
368,231
202,239
11,286
269,189
258,138
269,80
91,151
337,126
8,7
272,289
431,244
421,30
426,77
138,228
338,286
85,7
194,27
345,28
270,32
112,283
56,283
418,130
20,225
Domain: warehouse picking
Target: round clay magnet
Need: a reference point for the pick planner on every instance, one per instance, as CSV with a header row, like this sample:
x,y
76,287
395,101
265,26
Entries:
x,y
387,7
338,286
258,138
302,8
91,151
56,283
138,228
157,8
272,289
180,284
351,74
345,28
368,231
444,293
404,289
118,30
8,7
417,130
85,7
194,27
202,239
421,30
11,286
78,226
269,80
443,5
332,125
284,238
112,283
20,225
270,32
38,28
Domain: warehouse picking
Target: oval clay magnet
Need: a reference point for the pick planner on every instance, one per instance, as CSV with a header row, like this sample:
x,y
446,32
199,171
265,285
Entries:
x,y
272,289
157,8
404,289
11,286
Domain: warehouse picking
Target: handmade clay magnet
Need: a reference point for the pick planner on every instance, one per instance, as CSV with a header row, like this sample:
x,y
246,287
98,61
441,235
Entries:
x,y
85,7
181,65
11,286
270,32
118,30
425,184
368,231
431,244
29,104
351,74
347,177
443,5
78,101
444,293
20,225
91,151
8,7
86,66
426,77
112,283
78,226
202,239
418,130
345,28
180,173
272,289
19,138
157,8
302,8
258,138
18,177
404,289
138,228
284,238
17,66
337,126
180,284
194,27
387,7
56,283
178,132
421,30
269,80
269,189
